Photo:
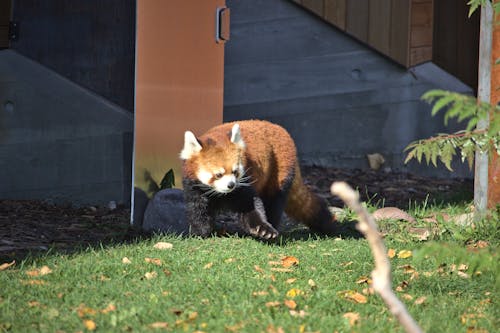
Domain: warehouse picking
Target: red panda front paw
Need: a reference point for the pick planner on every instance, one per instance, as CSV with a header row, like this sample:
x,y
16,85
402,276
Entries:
x,y
256,225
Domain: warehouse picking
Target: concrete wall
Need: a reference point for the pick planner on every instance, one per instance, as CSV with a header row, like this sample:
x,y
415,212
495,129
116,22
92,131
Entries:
x,y
59,141
338,98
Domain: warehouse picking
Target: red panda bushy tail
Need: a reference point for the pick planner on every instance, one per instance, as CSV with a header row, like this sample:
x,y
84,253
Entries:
x,y
306,207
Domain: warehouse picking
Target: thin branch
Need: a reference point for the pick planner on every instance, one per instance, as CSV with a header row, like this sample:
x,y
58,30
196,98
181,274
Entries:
x,y
381,275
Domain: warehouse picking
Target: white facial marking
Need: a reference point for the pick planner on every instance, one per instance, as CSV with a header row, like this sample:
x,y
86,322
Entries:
x,y
204,176
191,146
221,185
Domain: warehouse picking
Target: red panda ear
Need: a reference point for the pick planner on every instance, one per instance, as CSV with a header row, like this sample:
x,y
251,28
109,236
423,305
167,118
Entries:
x,y
236,136
191,146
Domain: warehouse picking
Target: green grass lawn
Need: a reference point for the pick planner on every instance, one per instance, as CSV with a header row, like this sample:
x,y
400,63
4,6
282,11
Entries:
x,y
449,284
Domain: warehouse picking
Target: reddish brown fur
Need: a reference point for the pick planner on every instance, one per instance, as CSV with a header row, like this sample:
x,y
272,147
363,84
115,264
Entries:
x,y
270,158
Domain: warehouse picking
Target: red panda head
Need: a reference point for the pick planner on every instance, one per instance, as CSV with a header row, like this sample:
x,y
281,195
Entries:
x,y
218,164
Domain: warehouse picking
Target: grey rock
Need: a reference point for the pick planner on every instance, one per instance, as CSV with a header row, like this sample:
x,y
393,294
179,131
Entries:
x,y
165,213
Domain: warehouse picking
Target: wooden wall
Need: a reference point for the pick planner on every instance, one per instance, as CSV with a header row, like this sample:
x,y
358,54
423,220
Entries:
x,y
400,29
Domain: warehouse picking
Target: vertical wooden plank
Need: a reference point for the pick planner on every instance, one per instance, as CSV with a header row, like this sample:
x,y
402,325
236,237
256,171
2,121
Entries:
x,y
357,17
335,12
379,24
399,44
421,24
316,6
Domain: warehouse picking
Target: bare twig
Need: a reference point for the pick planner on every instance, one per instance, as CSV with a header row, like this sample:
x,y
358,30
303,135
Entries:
x,y
381,275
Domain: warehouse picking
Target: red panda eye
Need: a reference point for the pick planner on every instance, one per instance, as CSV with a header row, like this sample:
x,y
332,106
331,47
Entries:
x,y
218,175
236,173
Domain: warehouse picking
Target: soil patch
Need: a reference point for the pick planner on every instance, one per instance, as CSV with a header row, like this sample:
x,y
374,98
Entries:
x,y
37,227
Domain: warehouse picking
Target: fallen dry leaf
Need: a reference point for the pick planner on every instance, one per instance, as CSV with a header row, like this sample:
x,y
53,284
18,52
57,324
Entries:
x,y
470,318
294,292
154,261
234,328
193,315
163,246
85,311
272,329
353,296
404,254
391,253
159,324
300,314
346,264
402,286
375,160
33,304
110,308
6,265
150,275
273,304
258,269
472,329
281,269
392,213
290,304
126,260
311,283
291,280
408,269
89,325
352,317
260,293
33,282
407,297
289,261
209,265
422,234
420,300
44,270
364,279
480,244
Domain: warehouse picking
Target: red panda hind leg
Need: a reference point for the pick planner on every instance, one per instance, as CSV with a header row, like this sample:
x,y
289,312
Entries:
x,y
306,207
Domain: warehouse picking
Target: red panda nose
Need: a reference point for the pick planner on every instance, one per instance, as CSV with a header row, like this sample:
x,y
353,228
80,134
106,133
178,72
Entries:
x,y
231,185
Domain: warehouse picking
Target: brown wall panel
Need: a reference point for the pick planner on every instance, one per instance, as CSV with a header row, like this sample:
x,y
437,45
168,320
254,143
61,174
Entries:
x,y
379,29
335,12
179,81
316,6
357,18
400,31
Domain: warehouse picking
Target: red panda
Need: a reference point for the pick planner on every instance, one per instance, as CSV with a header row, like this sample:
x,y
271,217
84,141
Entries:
x,y
248,167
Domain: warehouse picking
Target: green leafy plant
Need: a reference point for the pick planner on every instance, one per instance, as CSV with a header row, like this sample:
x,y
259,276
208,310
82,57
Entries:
x,y
444,147
475,4
168,181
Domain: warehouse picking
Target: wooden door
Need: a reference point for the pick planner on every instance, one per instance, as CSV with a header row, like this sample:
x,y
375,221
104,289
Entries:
x,y
179,83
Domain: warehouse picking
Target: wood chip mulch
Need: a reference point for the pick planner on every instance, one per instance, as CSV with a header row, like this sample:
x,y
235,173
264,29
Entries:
x,y
37,227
